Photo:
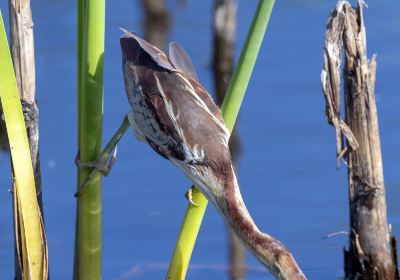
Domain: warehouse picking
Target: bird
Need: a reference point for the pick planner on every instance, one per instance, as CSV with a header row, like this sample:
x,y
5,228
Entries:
x,y
175,115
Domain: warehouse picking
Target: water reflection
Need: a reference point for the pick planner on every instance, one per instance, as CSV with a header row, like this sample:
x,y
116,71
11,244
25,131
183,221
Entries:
x,y
294,170
156,23
224,31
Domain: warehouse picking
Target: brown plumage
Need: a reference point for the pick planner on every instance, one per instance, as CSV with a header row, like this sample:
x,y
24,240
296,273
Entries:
x,y
175,115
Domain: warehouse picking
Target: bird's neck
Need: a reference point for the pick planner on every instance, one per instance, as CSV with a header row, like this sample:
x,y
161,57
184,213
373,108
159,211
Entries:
x,y
223,191
265,248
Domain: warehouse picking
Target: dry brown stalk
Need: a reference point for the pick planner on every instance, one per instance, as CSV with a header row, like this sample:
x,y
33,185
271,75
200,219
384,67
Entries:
x,y
372,253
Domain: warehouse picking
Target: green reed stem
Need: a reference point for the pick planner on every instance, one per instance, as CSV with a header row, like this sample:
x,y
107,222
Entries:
x,y
91,25
230,110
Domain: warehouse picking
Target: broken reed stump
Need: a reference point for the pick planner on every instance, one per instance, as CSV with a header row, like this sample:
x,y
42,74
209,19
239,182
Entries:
x,y
224,33
22,53
372,250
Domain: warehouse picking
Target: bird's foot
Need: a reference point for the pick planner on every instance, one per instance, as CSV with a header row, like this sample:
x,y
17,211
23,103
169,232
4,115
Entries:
x,y
189,197
106,159
102,165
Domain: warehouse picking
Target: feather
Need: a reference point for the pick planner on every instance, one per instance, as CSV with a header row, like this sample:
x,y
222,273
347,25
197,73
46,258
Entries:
x,y
128,47
181,60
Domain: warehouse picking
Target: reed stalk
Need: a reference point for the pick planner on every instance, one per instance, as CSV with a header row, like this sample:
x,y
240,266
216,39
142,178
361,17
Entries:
x,y
23,57
91,25
372,252
32,245
230,110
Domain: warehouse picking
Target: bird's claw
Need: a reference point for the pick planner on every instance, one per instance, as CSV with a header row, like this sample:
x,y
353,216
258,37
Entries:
x,y
81,164
102,164
189,197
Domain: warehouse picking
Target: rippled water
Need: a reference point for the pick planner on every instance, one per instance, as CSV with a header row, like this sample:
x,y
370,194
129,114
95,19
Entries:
x,y
287,169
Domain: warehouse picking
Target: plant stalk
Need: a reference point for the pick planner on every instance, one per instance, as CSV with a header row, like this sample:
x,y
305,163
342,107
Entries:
x,y
91,25
372,252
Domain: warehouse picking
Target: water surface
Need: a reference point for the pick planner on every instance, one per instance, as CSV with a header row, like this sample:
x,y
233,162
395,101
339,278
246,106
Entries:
x,y
287,169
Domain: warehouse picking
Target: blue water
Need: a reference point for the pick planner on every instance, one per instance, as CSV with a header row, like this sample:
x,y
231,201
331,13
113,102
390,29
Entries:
x,y
287,169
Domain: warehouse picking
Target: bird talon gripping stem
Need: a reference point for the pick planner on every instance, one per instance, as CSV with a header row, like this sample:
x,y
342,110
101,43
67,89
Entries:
x,y
87,164
106,159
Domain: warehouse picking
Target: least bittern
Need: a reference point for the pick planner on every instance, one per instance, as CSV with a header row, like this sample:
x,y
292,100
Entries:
x,y
173,113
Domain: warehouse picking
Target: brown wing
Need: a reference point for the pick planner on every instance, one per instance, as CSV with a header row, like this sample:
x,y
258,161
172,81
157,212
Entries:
x,y
193,118
181,60
141,53
171,107
138,67
205,96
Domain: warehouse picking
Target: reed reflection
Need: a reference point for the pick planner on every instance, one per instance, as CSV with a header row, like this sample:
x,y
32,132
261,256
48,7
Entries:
x,y
156,23
224,31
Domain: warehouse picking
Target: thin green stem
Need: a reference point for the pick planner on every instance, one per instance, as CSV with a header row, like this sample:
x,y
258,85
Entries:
x,y
230,109
241,76
91,24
